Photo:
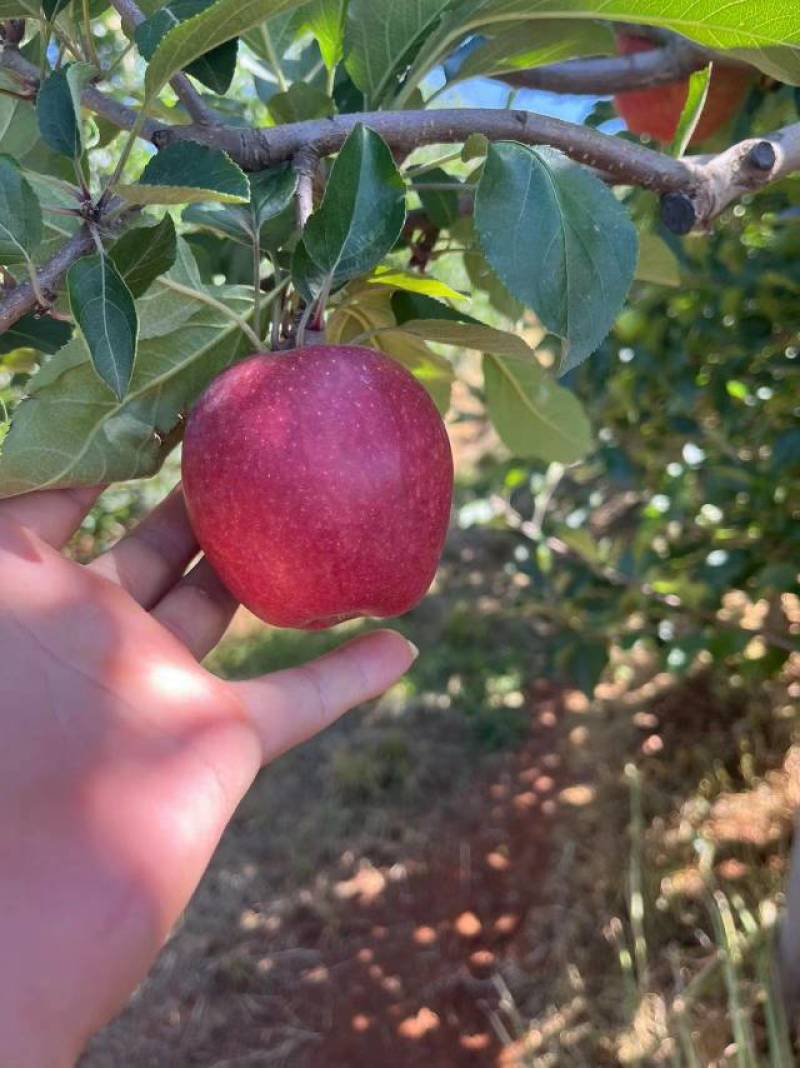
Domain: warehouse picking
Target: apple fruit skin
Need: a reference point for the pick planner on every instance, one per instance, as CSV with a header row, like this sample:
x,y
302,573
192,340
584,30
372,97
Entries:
x,y
319,484
657,111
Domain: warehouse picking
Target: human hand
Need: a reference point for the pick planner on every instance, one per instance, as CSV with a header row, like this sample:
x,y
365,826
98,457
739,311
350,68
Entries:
x,y
122,758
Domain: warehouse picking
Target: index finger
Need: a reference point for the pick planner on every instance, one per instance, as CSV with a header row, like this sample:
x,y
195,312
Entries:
x,y
53,515
288,707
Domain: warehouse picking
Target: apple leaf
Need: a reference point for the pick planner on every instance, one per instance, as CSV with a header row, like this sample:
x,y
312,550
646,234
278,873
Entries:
x,y
72,431
18,131
55,197
657,262
145,252
299,103
380,39
19,9
360,218
215,69
271,193
103,308
418,305
699,83
472,335
326,20
58,108
233,222
221,22
35,332
533,414
189,173
51,8
523,46
440,205
20,213
765,33
414,283
559,240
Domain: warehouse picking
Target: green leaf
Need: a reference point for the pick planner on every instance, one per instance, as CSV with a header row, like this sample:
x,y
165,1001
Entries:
x,y
35,332
189,173
421,305
233,222
51,8
299,103
559,240
274,37
657,262
361,215
441,205
271,196
214,68
309,278
173,298
58,108
380,39
20,213
472,335
414,283
19,9
55,197
533,415
765,33
103,308
72,431
221,22
526,45
475,147
326,20
144,253
699,83
18,131
271,192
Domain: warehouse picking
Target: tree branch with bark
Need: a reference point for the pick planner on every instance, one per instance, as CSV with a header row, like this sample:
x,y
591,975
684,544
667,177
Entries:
x,y
694,190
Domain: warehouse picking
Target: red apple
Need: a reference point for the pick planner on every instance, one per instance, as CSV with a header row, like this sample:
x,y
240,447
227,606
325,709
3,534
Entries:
x,y
656,111
319,484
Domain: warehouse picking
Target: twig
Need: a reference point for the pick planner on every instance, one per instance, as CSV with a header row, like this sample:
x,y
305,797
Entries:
x,y
305,164
22,298
695,189
672,62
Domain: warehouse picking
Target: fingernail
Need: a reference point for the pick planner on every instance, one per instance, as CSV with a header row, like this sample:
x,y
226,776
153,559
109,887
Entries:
x,y
413,648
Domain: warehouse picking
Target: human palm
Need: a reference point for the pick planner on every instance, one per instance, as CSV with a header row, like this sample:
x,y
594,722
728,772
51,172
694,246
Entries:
x,y
123,758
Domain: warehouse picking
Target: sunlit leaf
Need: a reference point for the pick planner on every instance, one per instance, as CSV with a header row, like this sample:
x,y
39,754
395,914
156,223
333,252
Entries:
x,y
534,415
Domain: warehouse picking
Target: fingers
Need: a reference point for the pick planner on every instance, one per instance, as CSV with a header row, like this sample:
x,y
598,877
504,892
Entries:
x,y
197,609
54,515
153,556
291,706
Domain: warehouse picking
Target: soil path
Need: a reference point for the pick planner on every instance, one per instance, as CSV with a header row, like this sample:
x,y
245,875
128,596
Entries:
x,y
408,971
387,966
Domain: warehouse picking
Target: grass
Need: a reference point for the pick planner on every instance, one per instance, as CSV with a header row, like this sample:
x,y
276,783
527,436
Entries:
x,y
700,824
